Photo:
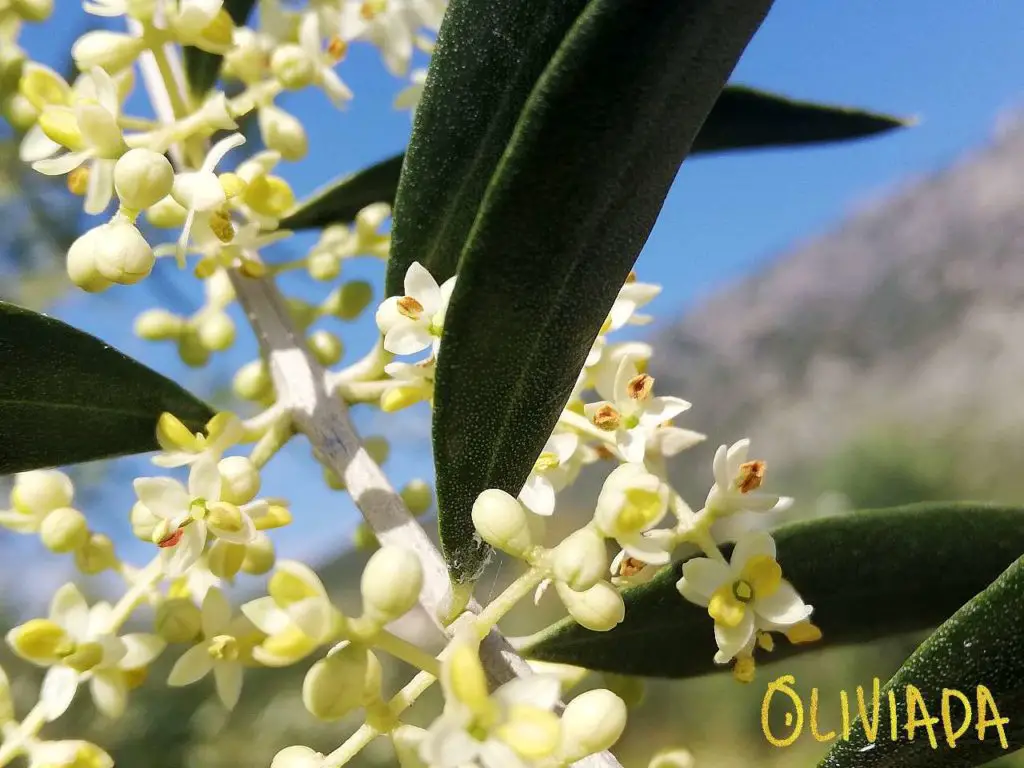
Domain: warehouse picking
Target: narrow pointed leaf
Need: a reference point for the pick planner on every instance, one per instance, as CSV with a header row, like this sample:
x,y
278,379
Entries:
x,y
570,206
340,201
747,118
981,645
868,574
67,397
203,68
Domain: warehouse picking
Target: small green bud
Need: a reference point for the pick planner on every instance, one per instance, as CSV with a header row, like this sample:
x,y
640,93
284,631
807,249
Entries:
x,y
167,213
333,480
283,133
142,178
323,265
336,685
297,757
178,620
292,67
390,584
378,448
259,556
501,522
12,64
598,609
326,347
418,497
364,538
41,491
240,480
302,312
252,382
191,350
19,112
96,555
158,325
64,530
592,722
33,10
216,331
350,300
225,559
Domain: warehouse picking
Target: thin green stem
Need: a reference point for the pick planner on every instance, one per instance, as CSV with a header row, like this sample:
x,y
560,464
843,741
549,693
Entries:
x,y
144,581
506,601
273,440
351,747
407,652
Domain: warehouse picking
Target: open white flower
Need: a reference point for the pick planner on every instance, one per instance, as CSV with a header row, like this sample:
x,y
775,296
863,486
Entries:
x,y
189,515
411,383
632,411
413,322
297,615
512,727
631,503
88,128
391,25
736,484
219,651
322,61
201,192
35,495
632,296
744,595
79,644
552,471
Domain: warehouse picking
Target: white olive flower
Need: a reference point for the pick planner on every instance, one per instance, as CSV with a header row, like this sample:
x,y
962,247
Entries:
x,y
322,62
79,644
413,322
632,296
391,25
201,192
632,501
604,359
629,572
219,651
736,483
88,128
512,727
632,411
552,471
181,447
744,595
189,515
297,615
410,383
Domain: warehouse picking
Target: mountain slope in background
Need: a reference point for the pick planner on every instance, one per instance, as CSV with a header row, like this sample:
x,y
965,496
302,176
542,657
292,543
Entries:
x,y
900,333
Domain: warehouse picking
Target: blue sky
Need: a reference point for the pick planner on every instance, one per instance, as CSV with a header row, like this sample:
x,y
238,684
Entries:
x,y
957,65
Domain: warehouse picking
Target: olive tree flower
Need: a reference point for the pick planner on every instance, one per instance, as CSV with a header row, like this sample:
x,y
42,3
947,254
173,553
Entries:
x,y
552,471
744,595
736,483
631,503
413,322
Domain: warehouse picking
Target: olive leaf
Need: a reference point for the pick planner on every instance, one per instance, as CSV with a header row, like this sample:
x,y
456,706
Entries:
x,y
66,396
869,574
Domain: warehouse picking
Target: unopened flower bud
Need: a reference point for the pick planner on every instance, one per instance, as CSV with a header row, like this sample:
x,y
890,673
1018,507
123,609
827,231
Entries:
x,y
191,350
96,555
142,178
33,10
292,67
252,382
167,213
239,478
391,584
323,265
672,758
227,517
336,685
297,757
350,301
64,530
592,722
216,331
598,609
283,133
581,560
111,51
501,522
41,491
378,448
158,325
326,347
302,312
178,620
120,252
19,112
12,66
363,538
225,559
38,641
259,556
333,480
417,497
82,265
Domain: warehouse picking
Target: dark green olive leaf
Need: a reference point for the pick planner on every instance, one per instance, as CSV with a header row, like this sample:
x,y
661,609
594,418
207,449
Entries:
x,y
868,574
203,68
340,201
747,118
978,653
67,397
570,206
488,57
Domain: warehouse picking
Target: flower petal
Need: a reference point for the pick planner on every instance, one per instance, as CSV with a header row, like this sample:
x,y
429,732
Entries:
x,y
267,617
58,691
58,166
178,559
632,443
228,678
421,285
69,609
204,479
164,497
216,613
783,608
141,649
407,339
732,640
109,689
191,666
701,577
538,495
751,545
